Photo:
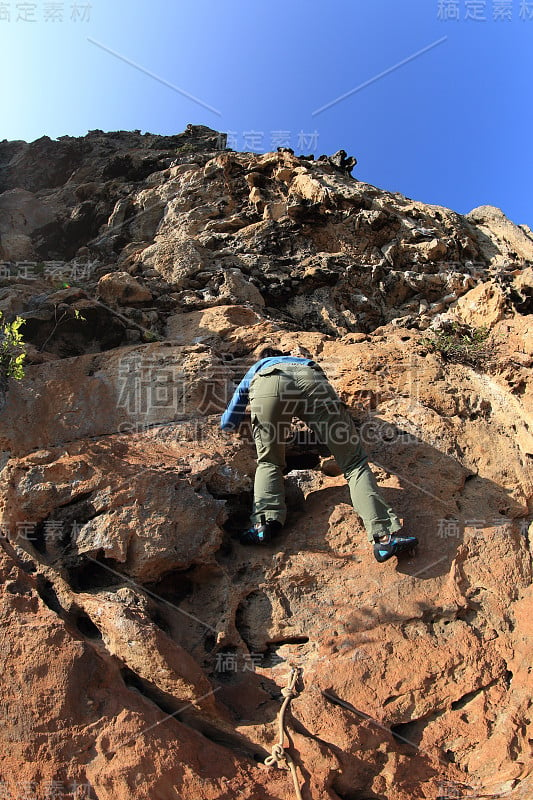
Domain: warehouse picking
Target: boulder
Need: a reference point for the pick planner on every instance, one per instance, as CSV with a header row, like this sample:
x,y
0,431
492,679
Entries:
x,y
481,307
123,289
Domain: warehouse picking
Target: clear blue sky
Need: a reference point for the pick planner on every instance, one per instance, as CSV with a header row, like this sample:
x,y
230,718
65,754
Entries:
x,y
450,126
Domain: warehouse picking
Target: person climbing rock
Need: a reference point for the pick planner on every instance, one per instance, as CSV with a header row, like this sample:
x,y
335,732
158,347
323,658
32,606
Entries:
x,y
279,387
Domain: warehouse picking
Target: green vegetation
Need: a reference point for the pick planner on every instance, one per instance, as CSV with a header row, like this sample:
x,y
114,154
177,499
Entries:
x,y
12,352
460,344
150,336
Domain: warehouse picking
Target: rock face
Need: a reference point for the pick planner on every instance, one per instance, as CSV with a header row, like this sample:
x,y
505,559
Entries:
x,y
144,651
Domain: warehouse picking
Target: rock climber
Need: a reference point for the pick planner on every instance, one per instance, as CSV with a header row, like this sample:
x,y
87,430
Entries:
x,y
279,387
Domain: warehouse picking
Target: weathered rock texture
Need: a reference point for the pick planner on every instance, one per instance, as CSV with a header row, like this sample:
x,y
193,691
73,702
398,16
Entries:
x,y
143,650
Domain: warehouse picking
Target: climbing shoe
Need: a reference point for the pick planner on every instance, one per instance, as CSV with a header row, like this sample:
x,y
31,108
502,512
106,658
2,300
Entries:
x,y
393,544
262,532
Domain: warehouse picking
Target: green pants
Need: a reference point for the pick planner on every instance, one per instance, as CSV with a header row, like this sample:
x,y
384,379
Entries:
x,y
284,391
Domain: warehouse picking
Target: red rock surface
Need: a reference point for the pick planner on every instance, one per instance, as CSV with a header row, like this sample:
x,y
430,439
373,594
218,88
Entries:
x,y
144,650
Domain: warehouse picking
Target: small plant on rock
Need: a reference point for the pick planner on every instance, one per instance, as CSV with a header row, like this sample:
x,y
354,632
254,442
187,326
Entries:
x,y
459,343
67,314
12,353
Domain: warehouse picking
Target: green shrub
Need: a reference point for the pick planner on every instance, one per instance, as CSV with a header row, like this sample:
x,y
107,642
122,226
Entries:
x,y
12,353
460,344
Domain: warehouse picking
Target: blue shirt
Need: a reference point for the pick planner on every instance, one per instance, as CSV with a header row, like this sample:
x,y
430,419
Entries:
x,y
234,413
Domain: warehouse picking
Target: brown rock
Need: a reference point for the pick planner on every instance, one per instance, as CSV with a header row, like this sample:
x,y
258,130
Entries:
x,y
210,324
21,214
127,390
149,648
121,287
482,306
498,238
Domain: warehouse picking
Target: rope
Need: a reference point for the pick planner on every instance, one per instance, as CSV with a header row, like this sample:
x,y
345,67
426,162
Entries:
x,y
279,755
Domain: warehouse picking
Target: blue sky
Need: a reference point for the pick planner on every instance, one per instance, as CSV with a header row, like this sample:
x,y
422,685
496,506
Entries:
x,y
448,122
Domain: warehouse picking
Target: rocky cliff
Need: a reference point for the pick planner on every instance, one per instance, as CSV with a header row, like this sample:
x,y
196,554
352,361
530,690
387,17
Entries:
x,y
144,651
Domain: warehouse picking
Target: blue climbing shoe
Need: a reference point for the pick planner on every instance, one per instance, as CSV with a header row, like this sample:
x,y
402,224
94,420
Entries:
x,y
392,545
262,532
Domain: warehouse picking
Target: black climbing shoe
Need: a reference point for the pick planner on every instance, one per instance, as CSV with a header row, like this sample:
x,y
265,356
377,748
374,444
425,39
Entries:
x,y
392,545
262,532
